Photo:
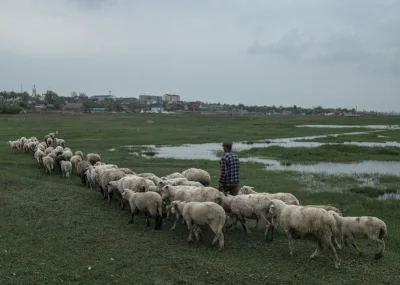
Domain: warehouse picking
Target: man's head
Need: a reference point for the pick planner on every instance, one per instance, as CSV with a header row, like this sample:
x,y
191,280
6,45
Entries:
x,y
227,146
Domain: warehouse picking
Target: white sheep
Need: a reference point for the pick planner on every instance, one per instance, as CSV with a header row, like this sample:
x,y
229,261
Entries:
x,y
252,206
199,175
49,141
93,158
175,175
80,153
144,201
126,170
48,163
106,176
191,183
48,150
66,168
75,159
39,157
198,214
132,182
298,222
363,227
15,145
59,142
67,154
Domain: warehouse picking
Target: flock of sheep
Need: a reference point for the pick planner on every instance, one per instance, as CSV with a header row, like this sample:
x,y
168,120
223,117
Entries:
x,y
187,195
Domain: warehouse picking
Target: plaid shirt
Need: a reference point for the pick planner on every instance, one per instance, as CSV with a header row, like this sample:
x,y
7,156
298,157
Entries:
x,y
229,169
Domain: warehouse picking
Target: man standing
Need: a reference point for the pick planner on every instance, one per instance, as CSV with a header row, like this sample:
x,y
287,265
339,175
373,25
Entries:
x,y
229,178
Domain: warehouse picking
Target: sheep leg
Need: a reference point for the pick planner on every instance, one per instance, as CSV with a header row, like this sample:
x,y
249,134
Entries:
x,y
255,226
380,245
176,219
234,222
352,242
290,237
190,227
244,225
133,211
267,226
110,196
318,250
219,236
335,242
330,246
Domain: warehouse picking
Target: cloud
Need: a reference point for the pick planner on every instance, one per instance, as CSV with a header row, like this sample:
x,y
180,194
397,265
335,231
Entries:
x,y
305,52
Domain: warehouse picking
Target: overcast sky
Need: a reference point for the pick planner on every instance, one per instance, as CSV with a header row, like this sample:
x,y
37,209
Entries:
x,y
287,52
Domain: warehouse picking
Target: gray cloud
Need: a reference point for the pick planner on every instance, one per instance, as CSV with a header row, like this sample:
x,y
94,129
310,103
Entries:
x,y
309,52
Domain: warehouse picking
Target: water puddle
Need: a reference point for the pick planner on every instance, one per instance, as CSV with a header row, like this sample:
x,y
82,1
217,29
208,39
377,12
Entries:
x,y
207,151
390,196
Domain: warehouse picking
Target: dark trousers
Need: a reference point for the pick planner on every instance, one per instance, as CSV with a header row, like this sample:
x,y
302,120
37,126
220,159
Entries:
x,y
232,189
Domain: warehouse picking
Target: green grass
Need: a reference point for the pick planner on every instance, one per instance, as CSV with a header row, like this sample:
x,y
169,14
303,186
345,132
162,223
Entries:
x,y
53,229
382,136
372,192
324,153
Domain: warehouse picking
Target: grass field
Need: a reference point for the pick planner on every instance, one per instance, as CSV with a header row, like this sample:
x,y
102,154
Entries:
x,y
55,231
382,136
325,153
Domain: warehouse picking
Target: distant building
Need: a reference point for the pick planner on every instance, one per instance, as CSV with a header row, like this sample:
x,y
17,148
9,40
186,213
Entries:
x,y
73,106
34,91
150,99
102,97
170,98
157,108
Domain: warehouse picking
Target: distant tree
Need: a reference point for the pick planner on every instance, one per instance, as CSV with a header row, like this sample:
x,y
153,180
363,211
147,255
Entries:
x,y
50,97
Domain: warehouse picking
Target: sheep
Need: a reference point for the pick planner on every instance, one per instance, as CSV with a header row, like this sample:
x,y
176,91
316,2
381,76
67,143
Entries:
x,y
199,175
93,158
52,155
49,141
252,206
298,221
175,175
81,168
48,150
132,182
364,227
58,150
177,193
288,198
59,142
66,168
79,153
175,181
48,162
75,159
15,145
42,146
144,201
39,157
95,173
67,154
106,176
58,160
198,214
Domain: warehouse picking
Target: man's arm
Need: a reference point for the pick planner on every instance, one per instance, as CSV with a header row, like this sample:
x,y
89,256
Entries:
x,y
223,170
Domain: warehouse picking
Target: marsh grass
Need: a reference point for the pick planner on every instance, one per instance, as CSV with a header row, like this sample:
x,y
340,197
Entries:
x,y
324,153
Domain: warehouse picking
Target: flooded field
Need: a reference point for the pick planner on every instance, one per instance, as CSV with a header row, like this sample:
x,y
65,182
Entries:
x,y
208,151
